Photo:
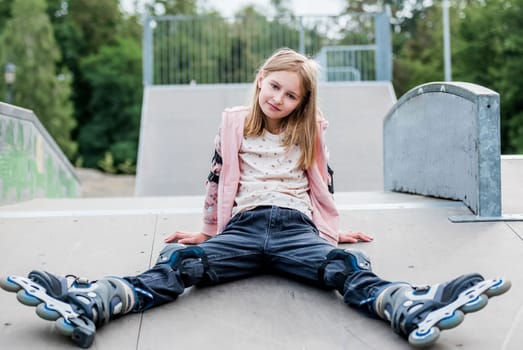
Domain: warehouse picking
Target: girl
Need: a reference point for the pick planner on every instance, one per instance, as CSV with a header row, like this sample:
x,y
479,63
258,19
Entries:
x,y
268,208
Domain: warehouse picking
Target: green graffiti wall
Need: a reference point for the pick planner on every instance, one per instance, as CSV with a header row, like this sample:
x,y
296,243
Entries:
x,y
31,164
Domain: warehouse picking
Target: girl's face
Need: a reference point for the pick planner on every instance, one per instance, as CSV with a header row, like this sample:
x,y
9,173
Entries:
x,y
280,95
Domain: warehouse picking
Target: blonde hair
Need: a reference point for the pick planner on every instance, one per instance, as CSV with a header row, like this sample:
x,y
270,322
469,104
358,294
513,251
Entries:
x,y
300,127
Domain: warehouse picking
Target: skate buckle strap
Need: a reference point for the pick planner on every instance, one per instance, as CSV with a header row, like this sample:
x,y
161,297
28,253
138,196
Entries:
x,y
421,289
465,297
81,281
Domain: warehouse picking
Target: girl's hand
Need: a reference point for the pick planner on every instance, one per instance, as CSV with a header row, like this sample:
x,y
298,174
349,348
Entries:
x,y
186,237
353,237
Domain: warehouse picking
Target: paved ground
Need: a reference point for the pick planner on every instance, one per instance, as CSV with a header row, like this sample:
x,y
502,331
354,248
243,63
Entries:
x,y
99,184
414,241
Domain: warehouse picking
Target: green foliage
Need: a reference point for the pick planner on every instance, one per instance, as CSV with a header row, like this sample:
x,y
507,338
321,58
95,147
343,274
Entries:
x,y
114,77
489,52
97,20
102,49
5,12
107,163
477,44
171,7
39,86
82,27
420,58
487,49
405,14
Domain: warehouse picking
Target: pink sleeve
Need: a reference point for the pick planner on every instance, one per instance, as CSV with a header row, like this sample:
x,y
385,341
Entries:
x,y
210,212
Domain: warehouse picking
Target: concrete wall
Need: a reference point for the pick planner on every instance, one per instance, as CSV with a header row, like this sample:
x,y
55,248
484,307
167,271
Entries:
x,y
179,124
31,164
442,139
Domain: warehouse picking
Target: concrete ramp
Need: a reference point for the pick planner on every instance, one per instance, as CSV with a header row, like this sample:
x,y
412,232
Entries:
x,y
179,124
414,241
31,163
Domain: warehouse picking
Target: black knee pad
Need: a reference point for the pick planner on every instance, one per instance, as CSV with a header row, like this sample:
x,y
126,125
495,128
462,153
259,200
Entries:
x,y
354,260
174,254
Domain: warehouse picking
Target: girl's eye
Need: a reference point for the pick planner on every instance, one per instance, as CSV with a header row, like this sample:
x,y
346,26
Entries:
x,y
291,96
274,86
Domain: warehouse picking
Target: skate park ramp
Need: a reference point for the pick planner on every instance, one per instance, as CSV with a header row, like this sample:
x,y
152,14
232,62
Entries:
x,y
414,241
32,165
179,124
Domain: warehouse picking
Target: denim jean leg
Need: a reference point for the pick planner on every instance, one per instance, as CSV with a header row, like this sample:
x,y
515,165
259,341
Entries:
x,y
156,286
294,247
358,286
361,290
231,255
236,252
297,250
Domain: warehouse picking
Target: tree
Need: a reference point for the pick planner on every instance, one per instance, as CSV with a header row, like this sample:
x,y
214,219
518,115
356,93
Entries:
x,y
405,13
89,31
281,7
415,39
82,27
172,7
39,86
489,52
5,12
420,58
114,77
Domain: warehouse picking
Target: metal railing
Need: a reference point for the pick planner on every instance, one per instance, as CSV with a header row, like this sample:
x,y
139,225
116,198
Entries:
x,y
216,50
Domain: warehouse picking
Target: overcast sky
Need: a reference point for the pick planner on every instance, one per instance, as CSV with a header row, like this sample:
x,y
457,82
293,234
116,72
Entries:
x,y
300,7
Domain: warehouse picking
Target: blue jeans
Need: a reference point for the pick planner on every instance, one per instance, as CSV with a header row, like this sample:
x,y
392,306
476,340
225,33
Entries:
x,y
263,240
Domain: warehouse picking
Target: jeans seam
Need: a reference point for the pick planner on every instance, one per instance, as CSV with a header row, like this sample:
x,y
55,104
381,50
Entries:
x,y
298,261
268,228
230,256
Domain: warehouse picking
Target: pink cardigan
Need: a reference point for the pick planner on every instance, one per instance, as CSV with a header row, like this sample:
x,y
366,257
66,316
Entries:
x,y
220,201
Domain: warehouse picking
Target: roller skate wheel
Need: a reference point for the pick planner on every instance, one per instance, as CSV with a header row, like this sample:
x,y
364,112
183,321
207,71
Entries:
x,y
423,339
476,304
451,321
64,327
499,288
47,313
8,285
27,299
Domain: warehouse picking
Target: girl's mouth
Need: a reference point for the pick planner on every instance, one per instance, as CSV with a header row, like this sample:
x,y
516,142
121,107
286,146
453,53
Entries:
x,y
273,107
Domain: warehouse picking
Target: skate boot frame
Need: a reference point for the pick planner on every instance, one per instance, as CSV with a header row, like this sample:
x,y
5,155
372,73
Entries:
x,y
78,309
419,314
81,329
471,300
